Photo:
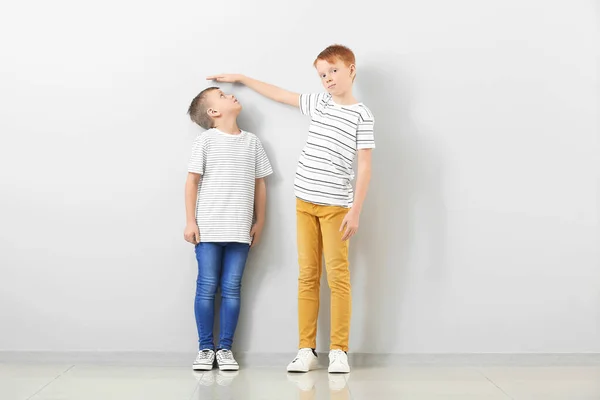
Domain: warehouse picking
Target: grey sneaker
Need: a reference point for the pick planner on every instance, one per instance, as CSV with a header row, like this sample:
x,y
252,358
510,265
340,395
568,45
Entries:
x,y
204,360
226,361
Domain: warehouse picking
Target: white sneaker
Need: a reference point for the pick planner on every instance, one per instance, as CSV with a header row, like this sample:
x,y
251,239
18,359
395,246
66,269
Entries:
x,y
304,361
204,361
338,362
226,361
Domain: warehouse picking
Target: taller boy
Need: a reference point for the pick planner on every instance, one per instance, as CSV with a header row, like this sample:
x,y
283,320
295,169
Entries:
x,y
327,208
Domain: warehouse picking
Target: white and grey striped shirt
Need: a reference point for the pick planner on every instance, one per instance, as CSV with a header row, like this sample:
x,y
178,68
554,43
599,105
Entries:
x,y
229,165
336,132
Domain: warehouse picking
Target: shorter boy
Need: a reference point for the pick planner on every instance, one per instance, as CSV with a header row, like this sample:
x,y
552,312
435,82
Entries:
x,y
225,198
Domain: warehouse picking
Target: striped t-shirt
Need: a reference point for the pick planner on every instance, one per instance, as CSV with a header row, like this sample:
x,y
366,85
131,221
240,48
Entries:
x,y
229,165
336,132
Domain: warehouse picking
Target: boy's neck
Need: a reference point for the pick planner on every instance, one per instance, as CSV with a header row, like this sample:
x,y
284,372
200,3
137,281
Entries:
x,y
228,126
345,99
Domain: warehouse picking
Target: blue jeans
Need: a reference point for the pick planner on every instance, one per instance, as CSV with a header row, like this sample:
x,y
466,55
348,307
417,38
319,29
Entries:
x,y
219,265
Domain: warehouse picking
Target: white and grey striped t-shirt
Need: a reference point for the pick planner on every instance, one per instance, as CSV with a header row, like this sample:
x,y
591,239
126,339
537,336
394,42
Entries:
x,y
229,165
336,132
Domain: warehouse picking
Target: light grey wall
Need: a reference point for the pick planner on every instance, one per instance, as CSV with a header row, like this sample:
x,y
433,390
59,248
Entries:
x,y
480,233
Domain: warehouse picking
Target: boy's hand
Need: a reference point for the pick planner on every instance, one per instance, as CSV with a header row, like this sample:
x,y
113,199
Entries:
x,y
255,233
228,78
350,224
192,233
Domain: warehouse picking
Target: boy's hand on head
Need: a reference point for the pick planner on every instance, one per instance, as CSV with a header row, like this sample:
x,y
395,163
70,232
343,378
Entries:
x,y
255,233
192,233
228,78
350,224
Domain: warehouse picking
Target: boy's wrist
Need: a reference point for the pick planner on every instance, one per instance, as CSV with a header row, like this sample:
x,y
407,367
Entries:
x,y
356,209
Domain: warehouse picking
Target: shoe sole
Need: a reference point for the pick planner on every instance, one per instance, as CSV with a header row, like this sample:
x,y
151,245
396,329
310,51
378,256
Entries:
x,y
229,368
334,371
302,371
202,367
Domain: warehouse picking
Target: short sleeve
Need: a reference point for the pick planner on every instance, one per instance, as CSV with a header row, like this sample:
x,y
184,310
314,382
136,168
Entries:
x,y
365,138
197,162
263,166
309,102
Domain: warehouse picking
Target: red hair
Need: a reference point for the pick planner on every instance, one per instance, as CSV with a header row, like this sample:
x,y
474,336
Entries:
x,y
337,52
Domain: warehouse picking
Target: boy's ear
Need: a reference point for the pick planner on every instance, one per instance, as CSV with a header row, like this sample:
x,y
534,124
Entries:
x,y
212,112
352,70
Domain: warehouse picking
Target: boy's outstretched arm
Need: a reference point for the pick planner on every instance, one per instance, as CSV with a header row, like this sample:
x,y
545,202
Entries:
x,y
350,223
191,233
271,91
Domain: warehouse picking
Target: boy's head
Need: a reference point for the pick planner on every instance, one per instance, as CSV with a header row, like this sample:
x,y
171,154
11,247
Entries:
x,y
212,104
336,68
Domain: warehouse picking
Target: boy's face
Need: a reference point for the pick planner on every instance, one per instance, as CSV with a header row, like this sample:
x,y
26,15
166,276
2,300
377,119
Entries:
x,y
222,104
336,77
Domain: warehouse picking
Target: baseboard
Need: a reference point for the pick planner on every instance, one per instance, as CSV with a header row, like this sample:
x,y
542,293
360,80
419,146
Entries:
x,y
166,359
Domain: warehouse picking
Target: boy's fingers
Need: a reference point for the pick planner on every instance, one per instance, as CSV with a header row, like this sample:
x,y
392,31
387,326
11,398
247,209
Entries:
x,y
348,234
343,225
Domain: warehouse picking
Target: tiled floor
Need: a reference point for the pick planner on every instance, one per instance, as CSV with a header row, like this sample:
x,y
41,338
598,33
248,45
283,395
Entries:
x,y
21,381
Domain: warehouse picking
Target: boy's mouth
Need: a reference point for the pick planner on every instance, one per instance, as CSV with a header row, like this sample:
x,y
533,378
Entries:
x,y
331,86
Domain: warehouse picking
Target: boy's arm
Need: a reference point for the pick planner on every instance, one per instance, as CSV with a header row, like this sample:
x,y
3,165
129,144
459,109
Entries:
x,y
260,200
192,233
363,179
260,205
350,223
271,91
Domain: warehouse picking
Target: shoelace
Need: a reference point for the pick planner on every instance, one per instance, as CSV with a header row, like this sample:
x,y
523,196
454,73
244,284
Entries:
x,y
303,353
225,355
204,355
335,355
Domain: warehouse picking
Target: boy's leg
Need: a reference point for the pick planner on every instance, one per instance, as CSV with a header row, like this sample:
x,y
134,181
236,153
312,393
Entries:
x,y
338,274
310,256
234,262
209,257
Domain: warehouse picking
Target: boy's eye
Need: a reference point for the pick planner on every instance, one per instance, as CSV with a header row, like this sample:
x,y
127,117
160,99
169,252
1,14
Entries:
x,y
335,70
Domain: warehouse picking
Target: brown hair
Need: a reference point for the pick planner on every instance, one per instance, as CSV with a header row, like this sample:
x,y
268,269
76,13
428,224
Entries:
x,y
336,52
199,107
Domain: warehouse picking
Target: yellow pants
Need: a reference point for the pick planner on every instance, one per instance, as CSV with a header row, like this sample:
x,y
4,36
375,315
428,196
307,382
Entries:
x,y
318,231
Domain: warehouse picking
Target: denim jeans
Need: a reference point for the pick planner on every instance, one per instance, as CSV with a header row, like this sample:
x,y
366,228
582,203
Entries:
x,y
219,265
